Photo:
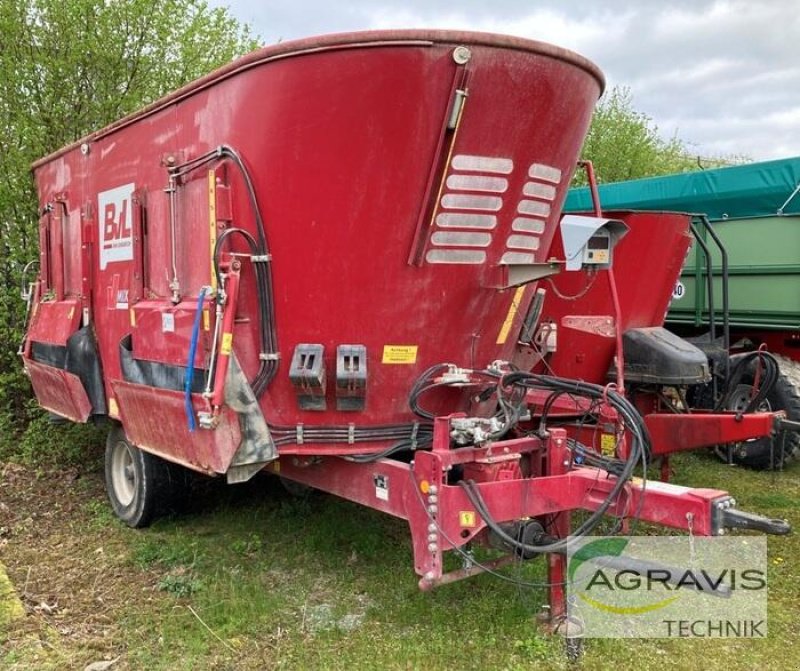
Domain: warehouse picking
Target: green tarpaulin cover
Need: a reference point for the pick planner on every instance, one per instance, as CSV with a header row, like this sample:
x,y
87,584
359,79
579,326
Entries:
x,y
752,190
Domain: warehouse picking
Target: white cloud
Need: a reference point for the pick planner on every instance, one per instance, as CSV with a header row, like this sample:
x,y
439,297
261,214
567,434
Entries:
x,y
722,73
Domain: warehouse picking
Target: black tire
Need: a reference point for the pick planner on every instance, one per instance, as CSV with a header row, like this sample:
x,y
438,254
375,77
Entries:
x,y
775,452
139,485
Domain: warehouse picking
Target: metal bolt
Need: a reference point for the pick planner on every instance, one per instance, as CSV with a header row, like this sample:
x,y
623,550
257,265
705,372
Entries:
x,y
433,538
432,527
433,489
430,575
433,509
461,55
432,547
733,502
721,532
432,498
85,149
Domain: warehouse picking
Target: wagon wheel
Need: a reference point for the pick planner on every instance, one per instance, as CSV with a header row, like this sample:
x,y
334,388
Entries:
x,y
139,485
777,451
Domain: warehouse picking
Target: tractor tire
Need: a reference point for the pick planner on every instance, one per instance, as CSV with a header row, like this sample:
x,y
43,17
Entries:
x,y
140,486
773,453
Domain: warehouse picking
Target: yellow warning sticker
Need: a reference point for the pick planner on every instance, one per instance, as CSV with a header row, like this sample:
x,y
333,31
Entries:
x,y
212,223
608,444
206,320
512,312
227,344
399,354
132,313
113,408
466,518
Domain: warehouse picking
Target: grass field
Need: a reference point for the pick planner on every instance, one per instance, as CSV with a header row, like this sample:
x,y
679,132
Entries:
x,y
251,578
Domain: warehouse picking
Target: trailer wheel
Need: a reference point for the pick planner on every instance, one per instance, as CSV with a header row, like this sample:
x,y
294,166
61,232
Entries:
x,y
776,452
137,483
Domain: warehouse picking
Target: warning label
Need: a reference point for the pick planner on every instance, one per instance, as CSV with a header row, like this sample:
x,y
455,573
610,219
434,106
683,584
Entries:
x,y
227,344
608,444
399,354
466,518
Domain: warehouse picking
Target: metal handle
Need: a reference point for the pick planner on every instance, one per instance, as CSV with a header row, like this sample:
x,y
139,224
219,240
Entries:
x,y
730,518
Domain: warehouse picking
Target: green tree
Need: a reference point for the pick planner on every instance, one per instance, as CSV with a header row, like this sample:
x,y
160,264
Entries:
x,y
625,144
69,67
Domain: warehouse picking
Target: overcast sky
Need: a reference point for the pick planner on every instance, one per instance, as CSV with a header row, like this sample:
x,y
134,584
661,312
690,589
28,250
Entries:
x,y
724,75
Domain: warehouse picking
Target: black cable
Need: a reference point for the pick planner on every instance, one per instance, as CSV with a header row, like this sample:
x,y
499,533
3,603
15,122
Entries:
x,y
737,372
639,448
268,367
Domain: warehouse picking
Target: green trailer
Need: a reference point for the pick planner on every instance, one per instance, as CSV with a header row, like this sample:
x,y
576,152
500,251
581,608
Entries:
x,y
740,284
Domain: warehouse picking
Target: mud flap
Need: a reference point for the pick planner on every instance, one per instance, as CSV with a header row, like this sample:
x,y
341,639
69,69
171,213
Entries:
x,y
257,448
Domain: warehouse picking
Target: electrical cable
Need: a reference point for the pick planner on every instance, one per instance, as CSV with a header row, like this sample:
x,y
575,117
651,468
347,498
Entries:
x,y
640,447
264,286
737,372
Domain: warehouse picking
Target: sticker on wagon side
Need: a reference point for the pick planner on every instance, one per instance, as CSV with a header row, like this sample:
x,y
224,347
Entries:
x,y
399,354
115,222
381,486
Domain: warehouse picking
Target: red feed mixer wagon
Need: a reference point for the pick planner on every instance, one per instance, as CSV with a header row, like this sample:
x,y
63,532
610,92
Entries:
x,y
581,326
317,261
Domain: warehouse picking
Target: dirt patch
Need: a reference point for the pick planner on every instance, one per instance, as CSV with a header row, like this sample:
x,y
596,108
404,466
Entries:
x,y
69,564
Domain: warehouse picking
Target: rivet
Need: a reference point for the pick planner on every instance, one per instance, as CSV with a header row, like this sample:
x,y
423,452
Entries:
x,y
461,55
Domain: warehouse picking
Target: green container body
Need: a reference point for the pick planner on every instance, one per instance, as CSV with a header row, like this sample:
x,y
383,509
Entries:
x,y
755,211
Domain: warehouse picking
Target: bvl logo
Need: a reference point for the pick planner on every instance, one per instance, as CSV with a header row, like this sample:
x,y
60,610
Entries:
x,y
115,215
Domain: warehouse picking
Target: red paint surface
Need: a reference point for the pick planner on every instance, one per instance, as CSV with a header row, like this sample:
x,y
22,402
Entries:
x,y
341,137
675,433
647,263
157,418
55,321
59,391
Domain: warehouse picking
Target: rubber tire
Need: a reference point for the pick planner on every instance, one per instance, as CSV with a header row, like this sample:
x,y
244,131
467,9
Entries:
x,y
774,453
138,484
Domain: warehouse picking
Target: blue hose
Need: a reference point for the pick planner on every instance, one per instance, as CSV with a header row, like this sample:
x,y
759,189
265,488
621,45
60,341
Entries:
x,y
189,378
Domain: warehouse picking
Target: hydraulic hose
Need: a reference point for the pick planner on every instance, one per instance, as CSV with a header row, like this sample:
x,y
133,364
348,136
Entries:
x,y
268,367
189,376
639,448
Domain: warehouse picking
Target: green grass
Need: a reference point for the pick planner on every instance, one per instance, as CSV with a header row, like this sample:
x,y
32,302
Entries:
x,y
321,583
318,583
253,579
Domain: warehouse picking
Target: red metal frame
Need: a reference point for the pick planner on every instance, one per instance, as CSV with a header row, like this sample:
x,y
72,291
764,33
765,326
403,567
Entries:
x,y
441,517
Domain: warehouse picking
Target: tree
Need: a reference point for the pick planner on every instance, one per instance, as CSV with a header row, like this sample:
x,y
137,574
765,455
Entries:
x,y
69,67
625,144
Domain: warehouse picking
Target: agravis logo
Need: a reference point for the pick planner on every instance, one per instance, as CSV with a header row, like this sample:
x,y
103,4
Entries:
x,y
594,551
651,586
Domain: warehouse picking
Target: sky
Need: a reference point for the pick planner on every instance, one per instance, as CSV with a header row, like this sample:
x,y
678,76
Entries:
x,y
721,75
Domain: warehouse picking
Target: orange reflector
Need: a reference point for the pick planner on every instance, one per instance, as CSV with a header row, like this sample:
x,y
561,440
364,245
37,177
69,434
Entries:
x,y
424,486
